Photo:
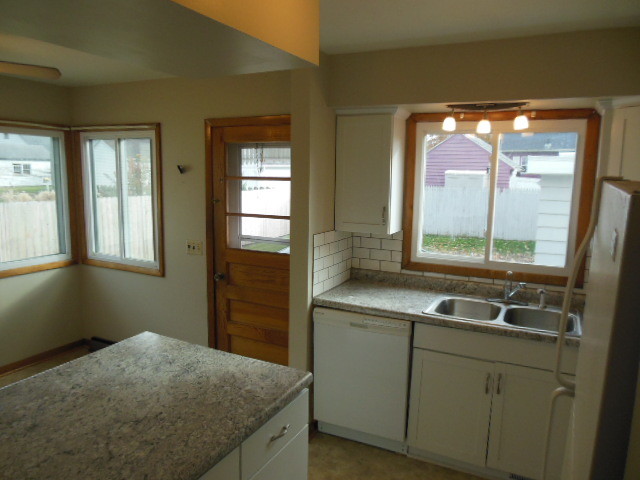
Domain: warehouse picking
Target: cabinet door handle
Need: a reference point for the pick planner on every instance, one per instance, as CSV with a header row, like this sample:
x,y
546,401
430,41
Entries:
x,y
486,384
498,389
384,215
283,431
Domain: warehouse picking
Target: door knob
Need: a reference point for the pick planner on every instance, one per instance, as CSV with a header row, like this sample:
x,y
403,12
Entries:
x,y
218,276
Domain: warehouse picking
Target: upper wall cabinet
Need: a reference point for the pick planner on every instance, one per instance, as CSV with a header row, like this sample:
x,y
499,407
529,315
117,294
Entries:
x,y
625,143
369,172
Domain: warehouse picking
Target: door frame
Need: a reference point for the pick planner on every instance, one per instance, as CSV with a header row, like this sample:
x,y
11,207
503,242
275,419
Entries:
x,y
210,126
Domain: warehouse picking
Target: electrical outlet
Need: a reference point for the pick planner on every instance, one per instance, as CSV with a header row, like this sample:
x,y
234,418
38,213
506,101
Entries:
x,y
194,247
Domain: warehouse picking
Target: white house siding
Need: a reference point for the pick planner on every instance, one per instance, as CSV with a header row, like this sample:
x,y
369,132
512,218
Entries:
x,y
554,212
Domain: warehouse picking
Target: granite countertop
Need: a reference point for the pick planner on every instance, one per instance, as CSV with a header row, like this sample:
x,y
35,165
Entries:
x,y
149,407
406,299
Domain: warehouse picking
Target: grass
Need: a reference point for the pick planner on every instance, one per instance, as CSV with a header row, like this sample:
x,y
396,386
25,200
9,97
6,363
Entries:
x,y
266,247
512,250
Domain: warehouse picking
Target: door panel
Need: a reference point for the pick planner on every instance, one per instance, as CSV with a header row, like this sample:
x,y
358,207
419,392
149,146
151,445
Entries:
x,y
450,406
250,165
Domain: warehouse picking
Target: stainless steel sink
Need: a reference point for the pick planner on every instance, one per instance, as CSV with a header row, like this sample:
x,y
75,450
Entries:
x,y
466,308
525,318
534,318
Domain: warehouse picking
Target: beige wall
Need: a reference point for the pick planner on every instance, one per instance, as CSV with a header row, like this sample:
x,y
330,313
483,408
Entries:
x,y
313,140
39,311
583,64
119,304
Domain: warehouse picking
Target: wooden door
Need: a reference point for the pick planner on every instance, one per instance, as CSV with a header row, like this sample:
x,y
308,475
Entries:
x,y
450,406
519,422
250,185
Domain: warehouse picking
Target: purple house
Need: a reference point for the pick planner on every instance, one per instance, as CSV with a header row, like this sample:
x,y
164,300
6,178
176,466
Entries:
x,y
464,153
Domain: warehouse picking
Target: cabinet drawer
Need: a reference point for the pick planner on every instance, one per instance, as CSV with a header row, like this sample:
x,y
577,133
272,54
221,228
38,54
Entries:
x,y
290,463
269,439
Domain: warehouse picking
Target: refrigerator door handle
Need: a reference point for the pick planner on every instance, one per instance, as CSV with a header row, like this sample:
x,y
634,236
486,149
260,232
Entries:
x,y
557,393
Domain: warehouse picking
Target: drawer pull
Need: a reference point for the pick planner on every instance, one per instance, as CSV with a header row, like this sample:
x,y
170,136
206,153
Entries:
x,y
283,431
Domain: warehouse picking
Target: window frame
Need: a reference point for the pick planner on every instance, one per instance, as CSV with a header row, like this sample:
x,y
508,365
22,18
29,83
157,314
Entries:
x,y
584,181
65,209
85,184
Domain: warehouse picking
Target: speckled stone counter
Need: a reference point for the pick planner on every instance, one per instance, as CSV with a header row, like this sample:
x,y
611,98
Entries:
x,y
402,298
149,407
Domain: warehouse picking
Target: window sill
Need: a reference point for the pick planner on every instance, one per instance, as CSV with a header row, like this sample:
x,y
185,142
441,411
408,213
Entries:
x,y
465,271
153,271
36,268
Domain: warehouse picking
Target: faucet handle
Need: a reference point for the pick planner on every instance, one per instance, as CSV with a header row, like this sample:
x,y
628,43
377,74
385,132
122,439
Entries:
x,y
509,275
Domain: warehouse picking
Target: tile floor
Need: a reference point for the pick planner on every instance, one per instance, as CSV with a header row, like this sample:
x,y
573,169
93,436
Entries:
x,y
330,458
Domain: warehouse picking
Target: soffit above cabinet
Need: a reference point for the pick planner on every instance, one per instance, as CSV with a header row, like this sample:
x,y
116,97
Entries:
x,y
160,35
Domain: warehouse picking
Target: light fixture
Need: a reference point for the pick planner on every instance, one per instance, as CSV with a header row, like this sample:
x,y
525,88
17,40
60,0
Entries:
x,y
521,122
449,124
484,126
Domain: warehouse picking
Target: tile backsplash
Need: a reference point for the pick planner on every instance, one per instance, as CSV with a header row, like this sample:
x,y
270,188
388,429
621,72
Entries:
x,y
336,252
332,253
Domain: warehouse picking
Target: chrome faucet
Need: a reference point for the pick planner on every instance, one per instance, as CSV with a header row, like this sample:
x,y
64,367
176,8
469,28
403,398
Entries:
x,y
510,291
543,298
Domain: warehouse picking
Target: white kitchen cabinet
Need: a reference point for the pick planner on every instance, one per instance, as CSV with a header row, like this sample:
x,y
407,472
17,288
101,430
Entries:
x,y
473,408
277,450
450,406
519,419
369,172
289,463
625,143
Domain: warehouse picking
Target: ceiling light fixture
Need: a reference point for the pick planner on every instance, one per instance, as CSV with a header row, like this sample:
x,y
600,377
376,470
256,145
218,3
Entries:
x,y
521,122
449,124
484,125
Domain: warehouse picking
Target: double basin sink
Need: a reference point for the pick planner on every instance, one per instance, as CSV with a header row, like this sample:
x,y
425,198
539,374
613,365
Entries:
x,y
523,317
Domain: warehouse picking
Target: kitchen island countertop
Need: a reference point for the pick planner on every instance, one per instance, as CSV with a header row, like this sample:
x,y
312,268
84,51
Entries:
x,y
149,407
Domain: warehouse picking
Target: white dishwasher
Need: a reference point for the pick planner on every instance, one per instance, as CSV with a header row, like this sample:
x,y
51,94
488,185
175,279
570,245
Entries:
x,y
361,377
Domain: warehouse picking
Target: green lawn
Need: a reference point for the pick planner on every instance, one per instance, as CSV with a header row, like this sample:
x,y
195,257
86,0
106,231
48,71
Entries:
x,y
512,250
266,247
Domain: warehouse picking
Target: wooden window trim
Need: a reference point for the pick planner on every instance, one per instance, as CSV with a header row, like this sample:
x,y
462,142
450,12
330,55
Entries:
x,y
71,199
81,213
587,185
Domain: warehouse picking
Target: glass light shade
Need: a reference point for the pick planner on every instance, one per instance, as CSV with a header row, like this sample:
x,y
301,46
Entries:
x,y
484,126
521,122
449,124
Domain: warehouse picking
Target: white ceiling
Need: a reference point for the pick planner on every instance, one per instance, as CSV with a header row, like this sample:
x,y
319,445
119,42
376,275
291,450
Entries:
x,y
364,25
77,68
348,26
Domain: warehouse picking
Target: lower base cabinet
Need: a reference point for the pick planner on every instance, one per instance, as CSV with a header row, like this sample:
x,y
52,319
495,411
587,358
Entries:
x,y
277,450
485,414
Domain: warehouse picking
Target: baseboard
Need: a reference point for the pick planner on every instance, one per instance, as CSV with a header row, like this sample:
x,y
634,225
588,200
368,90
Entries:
x,y
20,364
374,440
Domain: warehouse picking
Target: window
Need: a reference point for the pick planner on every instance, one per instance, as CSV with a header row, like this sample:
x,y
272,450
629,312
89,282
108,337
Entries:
x,y
485,204
34,220
259,196
121,183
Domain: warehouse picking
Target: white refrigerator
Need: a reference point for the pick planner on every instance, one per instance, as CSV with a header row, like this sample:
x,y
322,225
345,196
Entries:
x,y
609,354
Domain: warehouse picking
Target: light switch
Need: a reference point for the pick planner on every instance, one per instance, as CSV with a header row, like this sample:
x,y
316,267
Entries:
x,y
194,247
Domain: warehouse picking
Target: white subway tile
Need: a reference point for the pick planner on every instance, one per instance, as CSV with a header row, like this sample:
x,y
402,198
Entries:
x,y
392,245
317,265
337,258
349,263
380,255
316,252
390,267
380,235
318,289
318,239
433,274
329,237
369,264
411,272
346,254
363,235
324,250
349,242
456,277
398,235
343,244
361,252
371,243
396,256
481,280
356,241
333,247
355,263
327,261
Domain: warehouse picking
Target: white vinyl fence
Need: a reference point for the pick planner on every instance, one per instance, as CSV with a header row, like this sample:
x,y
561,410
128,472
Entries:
x,y
267,202
28,229
458,211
